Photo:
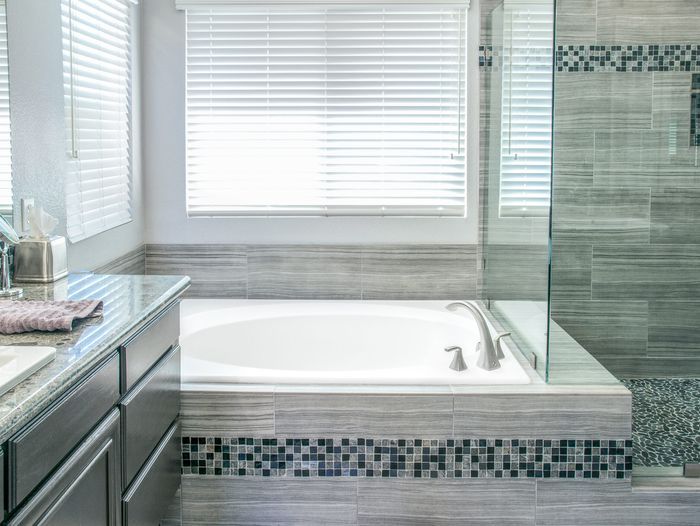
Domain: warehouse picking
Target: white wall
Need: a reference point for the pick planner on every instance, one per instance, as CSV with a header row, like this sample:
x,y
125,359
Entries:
x,y
164,161
39,139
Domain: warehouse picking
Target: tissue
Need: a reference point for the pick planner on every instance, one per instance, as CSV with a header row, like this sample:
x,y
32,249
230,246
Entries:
x,y
41,223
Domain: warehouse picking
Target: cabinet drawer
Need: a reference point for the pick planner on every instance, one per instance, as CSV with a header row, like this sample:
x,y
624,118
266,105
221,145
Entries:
x,y
143,350
85,488
38,448
149,410
147,500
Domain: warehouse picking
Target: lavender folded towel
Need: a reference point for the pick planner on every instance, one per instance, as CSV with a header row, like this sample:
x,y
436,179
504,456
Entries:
x,y
24,316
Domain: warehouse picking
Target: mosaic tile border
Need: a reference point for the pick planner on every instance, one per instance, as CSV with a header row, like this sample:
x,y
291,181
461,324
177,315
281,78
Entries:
x,y
412,458
629,58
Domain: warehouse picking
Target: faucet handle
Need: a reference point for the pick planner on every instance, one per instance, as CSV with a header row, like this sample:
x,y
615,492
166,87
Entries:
x,y
497,343
458,363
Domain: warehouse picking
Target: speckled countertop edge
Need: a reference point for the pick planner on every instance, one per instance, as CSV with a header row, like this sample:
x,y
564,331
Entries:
x,y
32,396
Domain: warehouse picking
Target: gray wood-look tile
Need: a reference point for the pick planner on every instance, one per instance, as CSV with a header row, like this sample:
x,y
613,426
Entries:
x,y
570,364
217,271
674,330
249,501
409,415
600,215
576,416
173,515
603,100
675,215
133,262
646,272
645,21
573,157
304,272
445,503
671,100
571,270
576,21
605,328
419,272
613,504
516,272
227,414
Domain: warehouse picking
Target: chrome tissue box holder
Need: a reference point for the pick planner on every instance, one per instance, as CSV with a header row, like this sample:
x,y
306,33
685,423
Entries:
x,y
41,260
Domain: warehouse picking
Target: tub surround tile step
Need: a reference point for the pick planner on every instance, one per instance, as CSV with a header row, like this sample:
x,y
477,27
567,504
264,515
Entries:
x,y
250,502
445,503
304,414
543,416
612,503
407,458
227,413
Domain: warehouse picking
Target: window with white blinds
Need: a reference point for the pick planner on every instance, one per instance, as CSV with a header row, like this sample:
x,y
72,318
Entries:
x,y
526,145
325,110
5,159
97,84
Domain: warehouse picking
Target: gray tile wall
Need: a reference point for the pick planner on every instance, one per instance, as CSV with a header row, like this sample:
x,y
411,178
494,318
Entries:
x,y
626,254
284,502
423,412
371,272
133,262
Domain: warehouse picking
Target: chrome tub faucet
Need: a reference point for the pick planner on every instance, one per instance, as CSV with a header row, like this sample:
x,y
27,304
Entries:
x,y
490,351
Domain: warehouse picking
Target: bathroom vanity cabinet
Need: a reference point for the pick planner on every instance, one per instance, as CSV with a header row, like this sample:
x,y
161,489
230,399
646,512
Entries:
x,y
107,452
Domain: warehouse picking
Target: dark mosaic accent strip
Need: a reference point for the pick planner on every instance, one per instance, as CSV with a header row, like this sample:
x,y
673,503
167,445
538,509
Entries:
x,y
695,111
414,458
665,421
647,57
485,56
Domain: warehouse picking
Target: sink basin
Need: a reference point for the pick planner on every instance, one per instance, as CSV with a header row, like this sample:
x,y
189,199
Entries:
x,y
18,362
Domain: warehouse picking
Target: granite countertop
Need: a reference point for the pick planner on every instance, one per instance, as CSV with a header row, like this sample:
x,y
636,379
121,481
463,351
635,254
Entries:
x,y
128,301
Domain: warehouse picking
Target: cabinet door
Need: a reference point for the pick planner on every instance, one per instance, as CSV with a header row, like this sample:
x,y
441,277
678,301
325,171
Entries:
x,y
85,489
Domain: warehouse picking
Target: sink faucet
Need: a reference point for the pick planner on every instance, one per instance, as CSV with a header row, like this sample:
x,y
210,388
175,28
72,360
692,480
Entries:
x,y
490,348
8,237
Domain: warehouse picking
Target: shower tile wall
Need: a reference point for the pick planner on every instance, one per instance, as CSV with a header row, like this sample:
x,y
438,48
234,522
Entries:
x,y
626,218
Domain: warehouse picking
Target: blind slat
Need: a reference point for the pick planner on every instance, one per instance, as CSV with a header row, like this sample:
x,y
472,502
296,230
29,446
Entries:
x,y
323,110
526,132
97,85
5,149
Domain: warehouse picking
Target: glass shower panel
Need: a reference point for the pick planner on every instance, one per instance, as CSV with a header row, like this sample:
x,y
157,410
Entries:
x,y
626,208
516,174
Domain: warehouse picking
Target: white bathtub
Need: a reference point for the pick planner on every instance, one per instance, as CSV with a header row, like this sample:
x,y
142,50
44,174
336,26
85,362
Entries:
x,y
332,342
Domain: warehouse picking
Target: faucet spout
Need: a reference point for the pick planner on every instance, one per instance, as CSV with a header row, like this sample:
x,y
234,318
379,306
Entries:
x,y
488,356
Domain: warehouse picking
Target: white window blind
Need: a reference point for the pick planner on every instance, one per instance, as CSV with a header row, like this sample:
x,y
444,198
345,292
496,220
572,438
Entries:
x,y
97,84
326,110
526,145
5,159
